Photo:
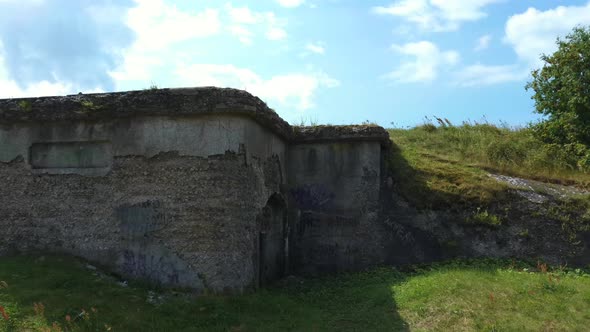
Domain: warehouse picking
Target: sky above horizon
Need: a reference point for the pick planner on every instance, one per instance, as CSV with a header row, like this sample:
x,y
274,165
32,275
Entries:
x,y
321,61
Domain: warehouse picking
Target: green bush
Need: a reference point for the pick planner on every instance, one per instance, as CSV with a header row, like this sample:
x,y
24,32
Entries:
x,y
561,91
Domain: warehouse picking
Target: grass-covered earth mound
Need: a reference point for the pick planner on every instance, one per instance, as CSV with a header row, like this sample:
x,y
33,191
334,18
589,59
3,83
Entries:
x,y
63,294
446,164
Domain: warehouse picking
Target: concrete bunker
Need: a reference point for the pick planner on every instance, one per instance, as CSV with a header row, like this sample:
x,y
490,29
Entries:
x,y
199,187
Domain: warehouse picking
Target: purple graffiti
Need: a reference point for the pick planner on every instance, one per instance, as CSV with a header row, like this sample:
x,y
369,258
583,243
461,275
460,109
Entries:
x,y
312,196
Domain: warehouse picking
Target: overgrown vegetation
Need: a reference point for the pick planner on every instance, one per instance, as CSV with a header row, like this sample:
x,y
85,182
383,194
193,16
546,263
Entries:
x,y
88,106
306,122
25,106
442,165
458,296
574,215
484,217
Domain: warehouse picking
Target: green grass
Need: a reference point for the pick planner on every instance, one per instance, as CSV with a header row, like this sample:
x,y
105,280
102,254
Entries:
x,y
461,295
446,166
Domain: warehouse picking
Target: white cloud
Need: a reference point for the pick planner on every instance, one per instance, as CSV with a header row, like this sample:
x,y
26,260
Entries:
x,y
245,21
295,89
483,43
317,48
242,15
9,89
290,3
158,28
427,60
159,25
534,32
478,75
530,34
276,34
437,15
244,35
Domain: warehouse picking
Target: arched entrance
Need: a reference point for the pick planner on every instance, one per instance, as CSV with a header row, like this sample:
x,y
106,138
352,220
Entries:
x,y
272,240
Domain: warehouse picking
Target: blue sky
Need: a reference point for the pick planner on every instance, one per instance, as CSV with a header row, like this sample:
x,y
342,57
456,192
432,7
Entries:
x,y
325,61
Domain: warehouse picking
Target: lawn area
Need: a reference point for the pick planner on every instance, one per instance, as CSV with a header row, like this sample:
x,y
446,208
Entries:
x,y
459,296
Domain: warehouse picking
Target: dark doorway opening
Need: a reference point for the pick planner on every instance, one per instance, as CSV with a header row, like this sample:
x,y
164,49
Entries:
x,y
272,240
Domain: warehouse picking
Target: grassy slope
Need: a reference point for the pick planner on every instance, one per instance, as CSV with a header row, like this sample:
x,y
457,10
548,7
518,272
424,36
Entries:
x,y
442,167
457,296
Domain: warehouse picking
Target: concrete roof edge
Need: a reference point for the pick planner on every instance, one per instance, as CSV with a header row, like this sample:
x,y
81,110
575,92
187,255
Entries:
x,y
328,133
176,102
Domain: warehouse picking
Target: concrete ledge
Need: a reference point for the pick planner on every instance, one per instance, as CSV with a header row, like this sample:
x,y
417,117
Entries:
x,y
317,134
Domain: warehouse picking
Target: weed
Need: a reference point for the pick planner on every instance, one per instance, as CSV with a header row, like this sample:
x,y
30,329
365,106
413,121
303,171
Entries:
x,y
306,122
25,106
369,123
542,267
88,106
524,234
483,217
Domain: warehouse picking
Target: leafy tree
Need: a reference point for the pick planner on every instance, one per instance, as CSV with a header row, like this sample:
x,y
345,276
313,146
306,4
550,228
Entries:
x,y
562,92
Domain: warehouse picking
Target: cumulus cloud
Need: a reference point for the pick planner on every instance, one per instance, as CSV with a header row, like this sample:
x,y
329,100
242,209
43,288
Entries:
x,y
296,89
534,31
290,3
316,48
436,15
483,43
159,28
159,25
93,46
69,49
244,35
530,34
427,61
246,24
275,33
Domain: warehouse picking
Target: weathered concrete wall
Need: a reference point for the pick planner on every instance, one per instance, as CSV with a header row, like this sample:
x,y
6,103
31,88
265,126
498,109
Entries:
x,y
197,135
335,177
204,188
335,184
171,199
181,221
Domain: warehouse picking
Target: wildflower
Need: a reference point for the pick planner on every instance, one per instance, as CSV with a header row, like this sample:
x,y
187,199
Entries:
x,y
39,308
68,318
4,313
55,326
84,314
